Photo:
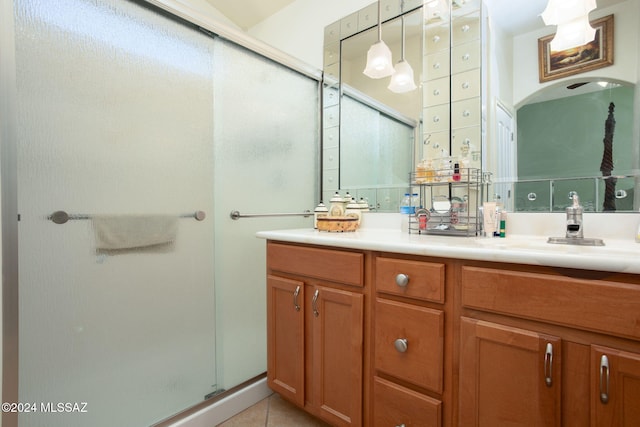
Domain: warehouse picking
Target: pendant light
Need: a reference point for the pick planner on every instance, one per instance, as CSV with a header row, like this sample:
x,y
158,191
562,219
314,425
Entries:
x,y
379,63
572,19
402,78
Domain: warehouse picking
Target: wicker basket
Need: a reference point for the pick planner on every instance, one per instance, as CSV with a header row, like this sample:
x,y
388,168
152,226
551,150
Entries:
x,y
338,223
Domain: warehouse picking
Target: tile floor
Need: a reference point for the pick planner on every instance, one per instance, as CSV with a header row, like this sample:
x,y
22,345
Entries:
x,y
273,411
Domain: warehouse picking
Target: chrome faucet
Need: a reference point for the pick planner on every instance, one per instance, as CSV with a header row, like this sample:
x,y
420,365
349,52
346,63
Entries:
x,y
574,218
574,227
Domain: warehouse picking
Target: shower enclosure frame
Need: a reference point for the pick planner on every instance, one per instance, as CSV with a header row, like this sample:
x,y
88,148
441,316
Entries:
x,y
9,176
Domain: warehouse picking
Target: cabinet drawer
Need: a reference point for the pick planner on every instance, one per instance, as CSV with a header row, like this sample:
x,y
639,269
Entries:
x,y
597,305
436,119
465,85
394,405
437,38
422,330
466,56
327,264
437,65
437,92
425,279
465,113
465,28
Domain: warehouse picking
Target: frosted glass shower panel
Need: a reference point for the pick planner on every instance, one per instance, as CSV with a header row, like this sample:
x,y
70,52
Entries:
x,y
266,161
115,116
375,148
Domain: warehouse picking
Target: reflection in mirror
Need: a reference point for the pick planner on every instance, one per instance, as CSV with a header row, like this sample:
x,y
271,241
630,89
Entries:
x,y
378,126
446,60
572,150
547,139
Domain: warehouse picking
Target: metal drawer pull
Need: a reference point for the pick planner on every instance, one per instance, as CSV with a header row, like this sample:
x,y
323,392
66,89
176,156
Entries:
x,y
548,365
604,383
401,344
402,280
295,298
314,303
401,425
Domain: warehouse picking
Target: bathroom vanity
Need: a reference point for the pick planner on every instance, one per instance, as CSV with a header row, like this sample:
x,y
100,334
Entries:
x,y
379,327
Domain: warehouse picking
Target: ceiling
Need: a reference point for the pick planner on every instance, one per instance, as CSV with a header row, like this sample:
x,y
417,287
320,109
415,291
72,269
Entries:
x,y
517,17
247,13
513,16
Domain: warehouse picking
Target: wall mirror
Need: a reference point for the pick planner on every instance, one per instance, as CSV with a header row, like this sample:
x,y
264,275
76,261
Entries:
x,y
378,126
527,174
545,140
374,137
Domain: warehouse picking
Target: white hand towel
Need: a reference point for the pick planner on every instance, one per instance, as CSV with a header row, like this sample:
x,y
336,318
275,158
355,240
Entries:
x,y
115,233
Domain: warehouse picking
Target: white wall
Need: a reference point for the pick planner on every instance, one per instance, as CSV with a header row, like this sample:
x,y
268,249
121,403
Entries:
x,y
525,52
205,8
298,29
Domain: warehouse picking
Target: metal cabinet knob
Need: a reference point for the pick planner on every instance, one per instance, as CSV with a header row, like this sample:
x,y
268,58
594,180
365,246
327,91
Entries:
x,y
402,280
401,345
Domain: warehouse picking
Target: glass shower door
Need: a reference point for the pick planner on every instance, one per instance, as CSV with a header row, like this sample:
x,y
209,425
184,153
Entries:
x,y
114,116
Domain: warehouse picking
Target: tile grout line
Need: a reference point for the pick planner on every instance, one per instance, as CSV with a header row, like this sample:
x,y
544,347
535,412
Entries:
x,y
266,420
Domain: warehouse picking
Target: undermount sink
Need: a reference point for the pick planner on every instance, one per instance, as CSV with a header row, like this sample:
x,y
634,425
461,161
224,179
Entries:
x,y
540,244
581,241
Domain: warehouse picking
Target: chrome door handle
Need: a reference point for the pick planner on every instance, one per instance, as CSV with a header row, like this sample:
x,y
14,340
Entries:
x,y
604,379
548,365
314,303
295,298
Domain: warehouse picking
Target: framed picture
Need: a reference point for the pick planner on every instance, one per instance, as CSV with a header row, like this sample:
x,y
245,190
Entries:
x,y
596,54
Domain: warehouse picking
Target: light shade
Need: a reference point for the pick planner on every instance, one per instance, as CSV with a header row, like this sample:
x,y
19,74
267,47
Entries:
x,y
402,79
561,11
572,19
573,34
379,62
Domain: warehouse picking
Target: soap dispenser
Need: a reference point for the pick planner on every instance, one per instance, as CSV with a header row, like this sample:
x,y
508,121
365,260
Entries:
x,y
574,218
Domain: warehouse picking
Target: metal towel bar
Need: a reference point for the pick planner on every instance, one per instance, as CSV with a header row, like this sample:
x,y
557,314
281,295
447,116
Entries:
x,y
61,217
235,215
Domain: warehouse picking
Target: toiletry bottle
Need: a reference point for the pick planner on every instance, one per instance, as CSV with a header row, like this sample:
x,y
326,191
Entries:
x,y
429,171
319,212
489,218
503,223
364,205
415,203
456,172
405,212
346,200
421,172
353,209
336,205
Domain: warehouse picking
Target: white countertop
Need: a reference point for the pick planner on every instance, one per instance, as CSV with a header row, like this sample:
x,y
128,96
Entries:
x,y
618,255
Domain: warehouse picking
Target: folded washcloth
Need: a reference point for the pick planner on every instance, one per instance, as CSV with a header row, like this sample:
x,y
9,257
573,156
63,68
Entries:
x,y
134,233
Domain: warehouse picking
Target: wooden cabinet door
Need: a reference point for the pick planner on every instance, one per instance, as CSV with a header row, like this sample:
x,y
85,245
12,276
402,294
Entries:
x,y
337,326
285,338
508,376
615,387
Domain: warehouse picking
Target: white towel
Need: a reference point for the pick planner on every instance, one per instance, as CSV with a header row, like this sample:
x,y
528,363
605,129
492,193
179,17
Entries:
x,y
134,233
